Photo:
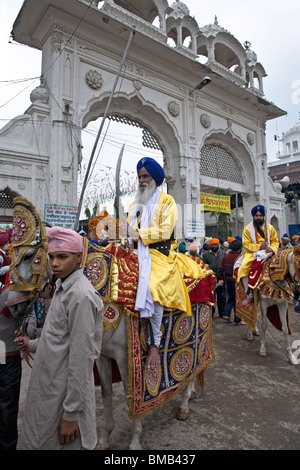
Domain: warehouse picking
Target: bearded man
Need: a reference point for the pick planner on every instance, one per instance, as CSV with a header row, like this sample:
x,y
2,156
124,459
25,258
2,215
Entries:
x,y
151,223
259,240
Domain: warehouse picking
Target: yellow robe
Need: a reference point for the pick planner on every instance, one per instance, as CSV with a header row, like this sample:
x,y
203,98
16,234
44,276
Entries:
x,y
166,283
251,248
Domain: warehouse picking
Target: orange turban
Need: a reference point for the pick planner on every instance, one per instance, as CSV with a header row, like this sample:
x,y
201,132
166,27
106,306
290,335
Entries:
x,y
295,237
214,241
230,239
193,247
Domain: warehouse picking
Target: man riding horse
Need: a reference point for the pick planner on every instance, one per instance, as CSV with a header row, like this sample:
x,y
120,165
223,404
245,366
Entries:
x,y
151,222
259,240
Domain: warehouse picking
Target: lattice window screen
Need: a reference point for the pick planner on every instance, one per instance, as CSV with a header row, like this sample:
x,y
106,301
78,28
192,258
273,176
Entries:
x,y
148,138
6,202
217,163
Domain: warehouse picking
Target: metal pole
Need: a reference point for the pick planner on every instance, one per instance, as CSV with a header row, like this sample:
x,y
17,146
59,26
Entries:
x,y
117,198
236,213
101,127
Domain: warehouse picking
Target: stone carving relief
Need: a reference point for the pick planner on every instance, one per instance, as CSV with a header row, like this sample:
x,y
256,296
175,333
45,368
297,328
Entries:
x,y
250,138
56,41
173,108
205,120
94,79
137,85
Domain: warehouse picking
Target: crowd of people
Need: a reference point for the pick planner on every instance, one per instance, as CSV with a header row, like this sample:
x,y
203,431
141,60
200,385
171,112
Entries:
x,y
60,405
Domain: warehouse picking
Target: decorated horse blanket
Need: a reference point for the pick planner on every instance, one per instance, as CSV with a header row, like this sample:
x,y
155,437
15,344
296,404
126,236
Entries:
x,y
268,282
185,351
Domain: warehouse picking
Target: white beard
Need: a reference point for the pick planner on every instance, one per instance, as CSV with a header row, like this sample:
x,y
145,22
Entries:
x,y
143,194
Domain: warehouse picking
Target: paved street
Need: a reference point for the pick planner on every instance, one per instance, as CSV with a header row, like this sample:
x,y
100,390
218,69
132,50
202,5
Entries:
x,y
249,402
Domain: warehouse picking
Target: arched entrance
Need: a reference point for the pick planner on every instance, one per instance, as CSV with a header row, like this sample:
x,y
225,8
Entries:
x,y
225,164
158,133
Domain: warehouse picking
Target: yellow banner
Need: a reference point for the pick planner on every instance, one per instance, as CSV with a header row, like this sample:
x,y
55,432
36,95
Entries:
x,y
215,202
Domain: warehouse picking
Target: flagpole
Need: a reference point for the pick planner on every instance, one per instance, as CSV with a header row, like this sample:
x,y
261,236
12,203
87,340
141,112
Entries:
x,y
101,127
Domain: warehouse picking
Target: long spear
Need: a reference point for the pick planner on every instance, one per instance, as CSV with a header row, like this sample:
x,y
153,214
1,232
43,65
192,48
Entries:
x,y
117,198
101,127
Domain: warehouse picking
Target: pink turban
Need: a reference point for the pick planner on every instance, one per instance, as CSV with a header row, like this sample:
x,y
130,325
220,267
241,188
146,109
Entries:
x,y
63,239
4,237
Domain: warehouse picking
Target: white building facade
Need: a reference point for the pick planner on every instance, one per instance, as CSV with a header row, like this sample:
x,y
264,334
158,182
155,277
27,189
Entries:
x,y
210,138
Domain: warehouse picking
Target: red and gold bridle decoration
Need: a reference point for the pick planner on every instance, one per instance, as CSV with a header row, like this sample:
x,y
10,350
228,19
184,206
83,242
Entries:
x,y
28,232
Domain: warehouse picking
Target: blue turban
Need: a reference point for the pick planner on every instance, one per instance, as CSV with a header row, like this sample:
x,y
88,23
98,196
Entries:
x,y
258,208
154,169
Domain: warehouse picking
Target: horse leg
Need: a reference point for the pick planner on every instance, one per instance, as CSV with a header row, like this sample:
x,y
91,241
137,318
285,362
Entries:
x,y
263,308
188,394
282,313
137,426
249,333
104,366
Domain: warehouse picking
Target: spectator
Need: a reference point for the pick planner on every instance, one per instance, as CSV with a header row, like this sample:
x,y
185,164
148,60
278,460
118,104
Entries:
x,y
213,259
225,276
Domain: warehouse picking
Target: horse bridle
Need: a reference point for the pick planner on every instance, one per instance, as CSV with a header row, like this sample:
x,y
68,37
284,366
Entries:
x,y
36,292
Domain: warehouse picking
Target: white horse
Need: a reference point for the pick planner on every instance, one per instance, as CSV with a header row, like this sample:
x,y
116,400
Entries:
x,y
266,301
114,347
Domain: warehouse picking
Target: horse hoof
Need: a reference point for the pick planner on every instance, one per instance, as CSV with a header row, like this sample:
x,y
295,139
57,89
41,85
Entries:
x,y
182,415
262,352
135,447
101,447
293,361
249,337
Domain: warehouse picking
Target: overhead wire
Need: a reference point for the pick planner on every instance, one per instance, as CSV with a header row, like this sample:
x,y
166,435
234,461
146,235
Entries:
x,y
69,124
51,65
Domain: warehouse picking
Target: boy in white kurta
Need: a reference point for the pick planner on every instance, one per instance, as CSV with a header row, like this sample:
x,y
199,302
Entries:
x,y
60,408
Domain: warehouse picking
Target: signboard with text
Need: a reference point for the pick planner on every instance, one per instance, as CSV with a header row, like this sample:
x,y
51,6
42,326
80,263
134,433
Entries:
x,y
215,202
61,216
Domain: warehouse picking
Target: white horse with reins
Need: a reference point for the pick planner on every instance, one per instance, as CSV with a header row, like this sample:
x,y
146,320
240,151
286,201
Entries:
x,y
267,299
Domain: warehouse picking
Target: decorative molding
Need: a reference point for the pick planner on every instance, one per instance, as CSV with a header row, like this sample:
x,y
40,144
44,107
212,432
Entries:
x,y
94,79
205,121
137,85
250,138
56,41
173,108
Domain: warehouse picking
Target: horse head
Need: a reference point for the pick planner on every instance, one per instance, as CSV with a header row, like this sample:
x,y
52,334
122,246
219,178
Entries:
x,y
28,272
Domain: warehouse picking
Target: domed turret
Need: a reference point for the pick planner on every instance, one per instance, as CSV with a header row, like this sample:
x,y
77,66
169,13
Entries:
x,y
180,10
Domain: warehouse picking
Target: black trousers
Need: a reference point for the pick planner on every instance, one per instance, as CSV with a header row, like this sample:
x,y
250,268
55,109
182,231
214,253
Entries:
x,y
10,382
